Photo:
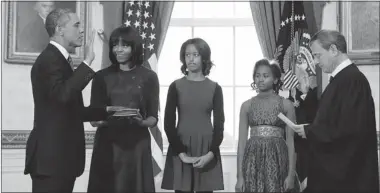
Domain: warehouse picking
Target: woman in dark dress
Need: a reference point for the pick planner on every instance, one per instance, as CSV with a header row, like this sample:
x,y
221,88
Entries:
x,y
121,160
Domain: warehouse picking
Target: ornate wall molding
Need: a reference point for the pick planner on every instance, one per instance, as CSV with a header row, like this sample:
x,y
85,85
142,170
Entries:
x,y
16,139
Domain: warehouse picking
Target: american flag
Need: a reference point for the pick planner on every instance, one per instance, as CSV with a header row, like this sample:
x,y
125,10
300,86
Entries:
x,y
290,80
141,16
293,23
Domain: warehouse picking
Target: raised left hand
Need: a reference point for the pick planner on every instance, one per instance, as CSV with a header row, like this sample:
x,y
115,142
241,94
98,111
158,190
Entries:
x,y
203,160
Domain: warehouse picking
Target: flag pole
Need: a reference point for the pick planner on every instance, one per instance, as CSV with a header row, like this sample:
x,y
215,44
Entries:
x,y
293,45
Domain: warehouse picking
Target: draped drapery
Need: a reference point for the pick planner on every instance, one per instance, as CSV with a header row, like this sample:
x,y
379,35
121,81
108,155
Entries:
x,y
165,9
266,17
112,19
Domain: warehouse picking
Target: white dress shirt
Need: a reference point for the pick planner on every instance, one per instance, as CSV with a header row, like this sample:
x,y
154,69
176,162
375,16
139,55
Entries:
x,y
63,50
340,67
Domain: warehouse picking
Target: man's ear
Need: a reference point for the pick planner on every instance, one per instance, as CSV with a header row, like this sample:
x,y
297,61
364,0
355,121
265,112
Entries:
x,y
333,49
58,30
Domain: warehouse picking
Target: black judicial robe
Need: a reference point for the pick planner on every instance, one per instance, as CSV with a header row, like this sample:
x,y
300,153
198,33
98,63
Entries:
x,y
305,113
342,138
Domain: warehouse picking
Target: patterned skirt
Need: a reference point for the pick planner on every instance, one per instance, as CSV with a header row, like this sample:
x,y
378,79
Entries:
x,y
265,165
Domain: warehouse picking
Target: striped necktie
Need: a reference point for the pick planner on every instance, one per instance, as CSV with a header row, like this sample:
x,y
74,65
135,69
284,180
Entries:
x,y
70,61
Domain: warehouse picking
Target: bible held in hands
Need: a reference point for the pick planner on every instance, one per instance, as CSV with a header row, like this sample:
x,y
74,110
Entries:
x,y
124,111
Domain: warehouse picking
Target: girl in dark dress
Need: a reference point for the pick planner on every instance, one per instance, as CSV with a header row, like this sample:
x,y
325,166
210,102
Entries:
x,y
193,161
121,160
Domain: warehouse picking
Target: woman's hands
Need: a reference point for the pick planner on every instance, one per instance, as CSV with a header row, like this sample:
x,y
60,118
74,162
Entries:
x,y
202,161
197,162
186,159
139,119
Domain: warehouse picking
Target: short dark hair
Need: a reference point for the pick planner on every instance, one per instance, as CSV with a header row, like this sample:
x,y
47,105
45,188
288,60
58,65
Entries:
x,y
276,71
130,37
57,17
203,49
329,37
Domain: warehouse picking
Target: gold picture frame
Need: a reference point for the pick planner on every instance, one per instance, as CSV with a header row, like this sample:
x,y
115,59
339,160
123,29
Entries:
x,y
19,17
359,23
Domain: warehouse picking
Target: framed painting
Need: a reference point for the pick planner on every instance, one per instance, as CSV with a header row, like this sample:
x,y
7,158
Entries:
x,y
359,22
26,35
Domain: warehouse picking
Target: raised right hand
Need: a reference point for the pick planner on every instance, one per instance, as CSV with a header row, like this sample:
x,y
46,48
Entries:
x,y
89,49
239,187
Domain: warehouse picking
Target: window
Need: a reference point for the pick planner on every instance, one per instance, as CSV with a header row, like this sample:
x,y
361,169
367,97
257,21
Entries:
x,y
228,29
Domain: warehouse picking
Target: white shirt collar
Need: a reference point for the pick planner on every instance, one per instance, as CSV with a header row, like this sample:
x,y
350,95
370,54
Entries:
x,y
43,19
60,48
341,66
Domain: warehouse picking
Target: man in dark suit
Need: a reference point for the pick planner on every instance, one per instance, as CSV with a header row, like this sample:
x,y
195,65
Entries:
x,y
33,37
55,152
342,138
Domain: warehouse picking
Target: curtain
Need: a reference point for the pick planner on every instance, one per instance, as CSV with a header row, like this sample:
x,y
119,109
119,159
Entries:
x,y
266,17
112,18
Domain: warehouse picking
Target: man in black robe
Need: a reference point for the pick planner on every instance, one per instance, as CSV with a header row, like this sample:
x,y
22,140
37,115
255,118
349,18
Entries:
x,y
342,138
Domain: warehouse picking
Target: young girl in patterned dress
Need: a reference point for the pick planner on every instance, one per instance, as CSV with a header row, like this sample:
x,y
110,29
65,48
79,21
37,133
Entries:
x,y
266,162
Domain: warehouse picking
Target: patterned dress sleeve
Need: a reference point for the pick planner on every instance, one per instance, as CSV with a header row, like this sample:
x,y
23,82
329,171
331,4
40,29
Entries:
x,y
170,121
152,102
218,116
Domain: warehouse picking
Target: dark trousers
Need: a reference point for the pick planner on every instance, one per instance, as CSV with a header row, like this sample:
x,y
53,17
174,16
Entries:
x,y
42,183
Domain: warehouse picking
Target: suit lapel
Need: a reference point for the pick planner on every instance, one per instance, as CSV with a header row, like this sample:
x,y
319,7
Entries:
x,y
68,70
60,57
